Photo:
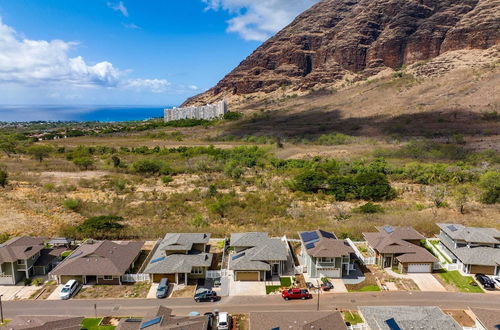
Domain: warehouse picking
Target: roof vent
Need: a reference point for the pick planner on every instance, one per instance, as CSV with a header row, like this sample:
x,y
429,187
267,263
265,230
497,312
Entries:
x,y
388,229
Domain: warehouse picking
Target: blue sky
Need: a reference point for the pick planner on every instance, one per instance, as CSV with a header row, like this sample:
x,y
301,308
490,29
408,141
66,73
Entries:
x,y
151,52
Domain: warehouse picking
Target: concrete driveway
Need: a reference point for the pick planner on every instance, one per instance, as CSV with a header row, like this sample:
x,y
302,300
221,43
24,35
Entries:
x,y
55,294
244,288
15,292
426,282
338,285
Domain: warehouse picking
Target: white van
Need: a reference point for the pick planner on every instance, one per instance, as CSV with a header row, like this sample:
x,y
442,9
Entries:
x,y
223,321
68,289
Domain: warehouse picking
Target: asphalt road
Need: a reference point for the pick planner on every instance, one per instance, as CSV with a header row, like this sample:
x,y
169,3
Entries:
x,y
182,306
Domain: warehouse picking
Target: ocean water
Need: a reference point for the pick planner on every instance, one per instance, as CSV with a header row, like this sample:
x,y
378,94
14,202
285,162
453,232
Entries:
x,y
12,113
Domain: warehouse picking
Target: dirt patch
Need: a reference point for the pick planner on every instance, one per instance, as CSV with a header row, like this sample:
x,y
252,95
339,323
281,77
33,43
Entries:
x,y
108,320
370,279
402,284
184,291
461,317
44,292
240,322
300,282
136,290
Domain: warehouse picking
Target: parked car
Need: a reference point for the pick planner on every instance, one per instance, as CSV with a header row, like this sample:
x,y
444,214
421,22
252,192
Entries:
x,y
496,279
485,281
295,293
207,295
223,321
309,285
162,290
210,320
68,289
326,285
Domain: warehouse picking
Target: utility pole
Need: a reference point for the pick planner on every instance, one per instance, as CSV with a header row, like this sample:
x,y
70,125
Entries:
x,y
319,291
1,309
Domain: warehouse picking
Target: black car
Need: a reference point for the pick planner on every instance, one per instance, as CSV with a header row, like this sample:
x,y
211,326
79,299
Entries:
x,y
485,281
210,319
326,285
207,295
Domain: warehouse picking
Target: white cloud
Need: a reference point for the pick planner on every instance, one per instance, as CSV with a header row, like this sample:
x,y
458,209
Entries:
x,y
153,85
132,26
120,6
41,63
258,20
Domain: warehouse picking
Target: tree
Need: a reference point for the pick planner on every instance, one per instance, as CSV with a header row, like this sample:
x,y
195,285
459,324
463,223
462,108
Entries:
x,y
437,195
8,145
461,197
100,227
116,161
83,162
490,181
39,152
3,178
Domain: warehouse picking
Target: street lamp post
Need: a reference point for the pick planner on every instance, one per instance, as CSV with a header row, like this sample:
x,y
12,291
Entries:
x,y
319,292
1,310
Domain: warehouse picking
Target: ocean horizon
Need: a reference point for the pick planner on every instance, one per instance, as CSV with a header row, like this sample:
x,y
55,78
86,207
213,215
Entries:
x,y
82,113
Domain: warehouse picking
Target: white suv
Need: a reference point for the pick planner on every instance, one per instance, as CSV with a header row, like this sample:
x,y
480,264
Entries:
x,y
68,289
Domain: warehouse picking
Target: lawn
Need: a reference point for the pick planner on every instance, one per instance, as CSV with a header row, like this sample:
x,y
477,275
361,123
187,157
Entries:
x,y
352,317
93,324
272,288
66,253
463,283
286,281
435,243
366,288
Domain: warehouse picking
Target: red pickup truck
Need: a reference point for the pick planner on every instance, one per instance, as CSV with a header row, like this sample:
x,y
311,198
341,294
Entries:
x,y
296,294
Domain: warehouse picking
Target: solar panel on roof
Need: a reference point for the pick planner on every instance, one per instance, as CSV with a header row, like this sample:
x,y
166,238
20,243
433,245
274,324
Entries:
x,y
327,234
392,324
237,256
149,323
158,259
388,229
452,228
308,236
309,246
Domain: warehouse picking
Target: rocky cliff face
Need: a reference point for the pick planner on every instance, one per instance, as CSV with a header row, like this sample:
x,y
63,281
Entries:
x,y
339,38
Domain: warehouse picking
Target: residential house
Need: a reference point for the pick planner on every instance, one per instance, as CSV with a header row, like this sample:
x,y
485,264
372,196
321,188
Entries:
x,y
49,258
61,242
476,250
180,257
17,257
486,319
325,255
257,256
99,262
161,318
297,320
45,322
407,318
400,247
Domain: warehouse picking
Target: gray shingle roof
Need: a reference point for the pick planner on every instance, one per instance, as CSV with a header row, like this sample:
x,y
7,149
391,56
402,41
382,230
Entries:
x,y
167,321
483,256
18,248
408,317
177,263
248,239
327,245
270,249
471,234
182,241
100,258
45,322
297,320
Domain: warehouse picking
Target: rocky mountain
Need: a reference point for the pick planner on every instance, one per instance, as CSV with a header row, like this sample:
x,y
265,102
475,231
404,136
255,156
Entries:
x,y
354,39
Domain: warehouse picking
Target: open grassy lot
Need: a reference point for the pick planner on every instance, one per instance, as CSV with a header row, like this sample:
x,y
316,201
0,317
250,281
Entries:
x,y
136,290
352,317
459,282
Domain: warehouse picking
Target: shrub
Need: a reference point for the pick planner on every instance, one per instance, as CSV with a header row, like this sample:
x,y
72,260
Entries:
x,y
37,281
151,166
100,226
116,161
3,178
4,237
166,179
199,221
71,204
490,181
39,152
233,115
370,208
334,139
83,163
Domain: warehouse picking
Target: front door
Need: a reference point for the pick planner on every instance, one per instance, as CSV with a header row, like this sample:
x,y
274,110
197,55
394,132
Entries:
x,y
276,269
388,262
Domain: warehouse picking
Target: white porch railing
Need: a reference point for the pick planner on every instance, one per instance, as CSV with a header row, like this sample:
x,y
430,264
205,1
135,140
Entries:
x,y
361,326
213,274
132,278
366,260
6,279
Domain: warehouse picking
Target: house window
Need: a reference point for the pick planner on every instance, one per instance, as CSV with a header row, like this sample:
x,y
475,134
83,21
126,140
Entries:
x,y
328,260
197,270
21,262
108,277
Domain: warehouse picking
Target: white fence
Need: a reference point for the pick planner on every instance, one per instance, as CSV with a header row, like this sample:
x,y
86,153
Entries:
x,y
366,260
132,278
213,274
361,326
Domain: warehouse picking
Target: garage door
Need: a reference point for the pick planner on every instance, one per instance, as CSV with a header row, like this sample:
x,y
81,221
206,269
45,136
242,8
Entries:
x,y
66,278
487,270
157,277
247,276
419,268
